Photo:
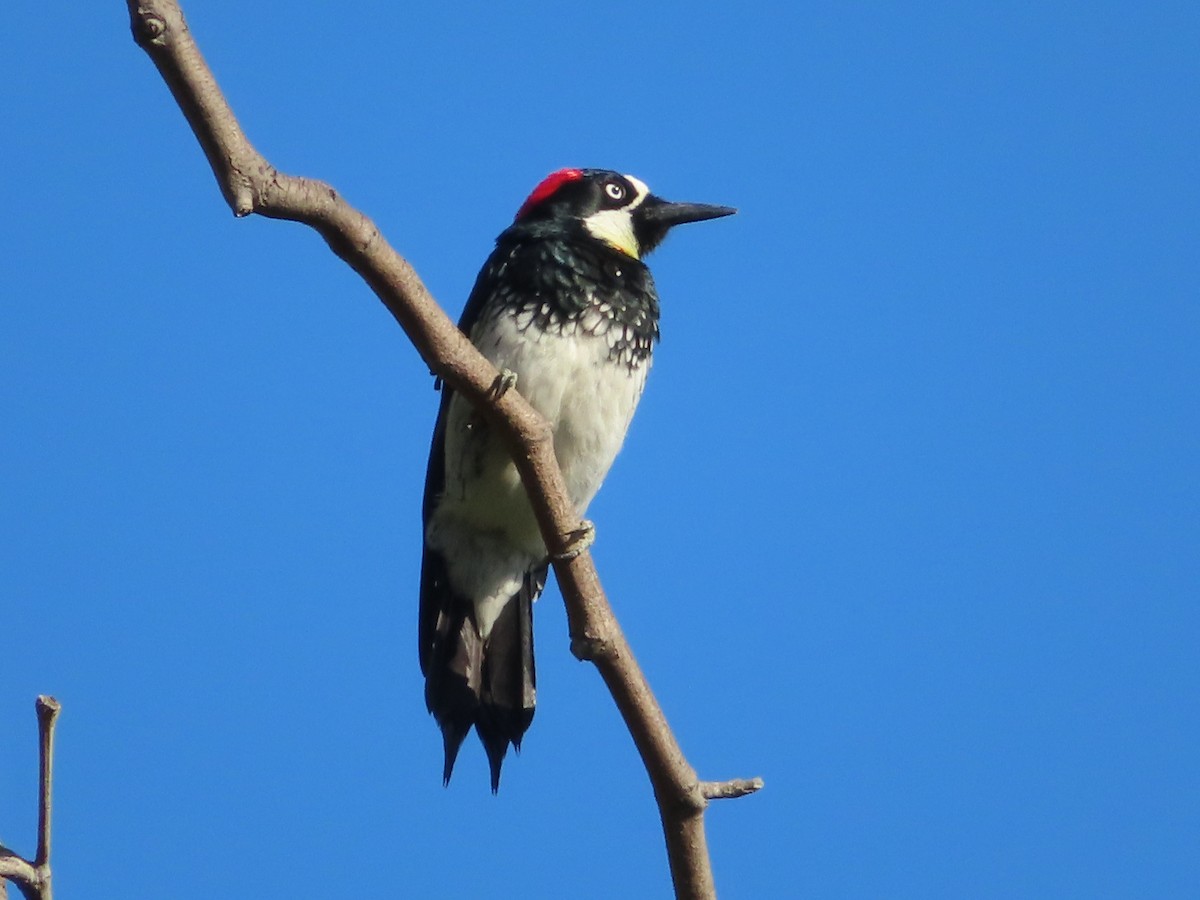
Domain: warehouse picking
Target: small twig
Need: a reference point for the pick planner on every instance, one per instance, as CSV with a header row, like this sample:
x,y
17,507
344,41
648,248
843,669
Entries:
x,y
47,713
33,878
725,790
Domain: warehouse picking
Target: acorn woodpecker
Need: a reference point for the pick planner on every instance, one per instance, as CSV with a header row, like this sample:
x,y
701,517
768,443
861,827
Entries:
x,y
566,305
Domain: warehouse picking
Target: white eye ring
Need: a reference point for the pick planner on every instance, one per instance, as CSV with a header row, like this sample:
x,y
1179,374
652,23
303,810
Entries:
x,y
614,190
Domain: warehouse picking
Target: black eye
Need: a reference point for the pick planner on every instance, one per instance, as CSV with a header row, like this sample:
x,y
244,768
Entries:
x,y
615,191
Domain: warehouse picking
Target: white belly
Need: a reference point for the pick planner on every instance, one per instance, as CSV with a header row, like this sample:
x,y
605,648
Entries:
x,y
484,521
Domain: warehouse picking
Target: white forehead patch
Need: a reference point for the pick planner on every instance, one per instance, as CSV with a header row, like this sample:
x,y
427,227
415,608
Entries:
x,y
615,226
640,187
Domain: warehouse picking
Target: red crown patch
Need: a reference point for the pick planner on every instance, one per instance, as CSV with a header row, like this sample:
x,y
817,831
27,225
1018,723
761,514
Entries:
x,y
548,186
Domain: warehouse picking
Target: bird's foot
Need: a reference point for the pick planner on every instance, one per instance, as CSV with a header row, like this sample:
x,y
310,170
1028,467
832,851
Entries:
x,y
578,541
505,382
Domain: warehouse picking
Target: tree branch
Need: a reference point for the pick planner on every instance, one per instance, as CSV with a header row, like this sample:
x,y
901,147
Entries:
x,y
33,878
250,184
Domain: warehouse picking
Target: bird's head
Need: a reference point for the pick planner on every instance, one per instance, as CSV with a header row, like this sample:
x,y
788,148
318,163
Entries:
x,y
614,208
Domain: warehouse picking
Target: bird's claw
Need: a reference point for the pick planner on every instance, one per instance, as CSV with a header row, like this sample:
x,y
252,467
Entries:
x,y
578,541
505,382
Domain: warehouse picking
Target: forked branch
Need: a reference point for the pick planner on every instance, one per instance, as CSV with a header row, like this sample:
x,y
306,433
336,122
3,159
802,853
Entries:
x,y
32,877
250,184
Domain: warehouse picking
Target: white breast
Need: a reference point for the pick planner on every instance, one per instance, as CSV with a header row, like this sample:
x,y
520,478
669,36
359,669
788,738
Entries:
x,y
483,521
570,379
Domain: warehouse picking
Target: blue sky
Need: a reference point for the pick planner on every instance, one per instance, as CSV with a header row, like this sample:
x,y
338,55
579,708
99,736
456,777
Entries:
x,y
908,522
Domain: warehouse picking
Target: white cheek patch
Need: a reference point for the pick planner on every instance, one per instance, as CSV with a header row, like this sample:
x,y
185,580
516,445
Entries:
x,y
615,226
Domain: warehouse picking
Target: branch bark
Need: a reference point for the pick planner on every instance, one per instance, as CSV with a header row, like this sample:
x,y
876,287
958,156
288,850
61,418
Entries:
x,y
250,184
32,878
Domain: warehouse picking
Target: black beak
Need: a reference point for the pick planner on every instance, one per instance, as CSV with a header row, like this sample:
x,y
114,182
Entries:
x,y
665,214
655,216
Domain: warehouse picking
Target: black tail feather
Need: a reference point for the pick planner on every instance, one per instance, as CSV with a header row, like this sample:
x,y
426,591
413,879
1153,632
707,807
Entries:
x,y
452,681
452,741
492,684
508,697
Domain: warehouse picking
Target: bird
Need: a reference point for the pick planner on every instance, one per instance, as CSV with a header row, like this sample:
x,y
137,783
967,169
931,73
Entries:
x,y
567,311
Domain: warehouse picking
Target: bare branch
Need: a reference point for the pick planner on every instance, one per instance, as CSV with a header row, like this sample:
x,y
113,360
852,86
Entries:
x,y
33,878
20,872
252,185
47,714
